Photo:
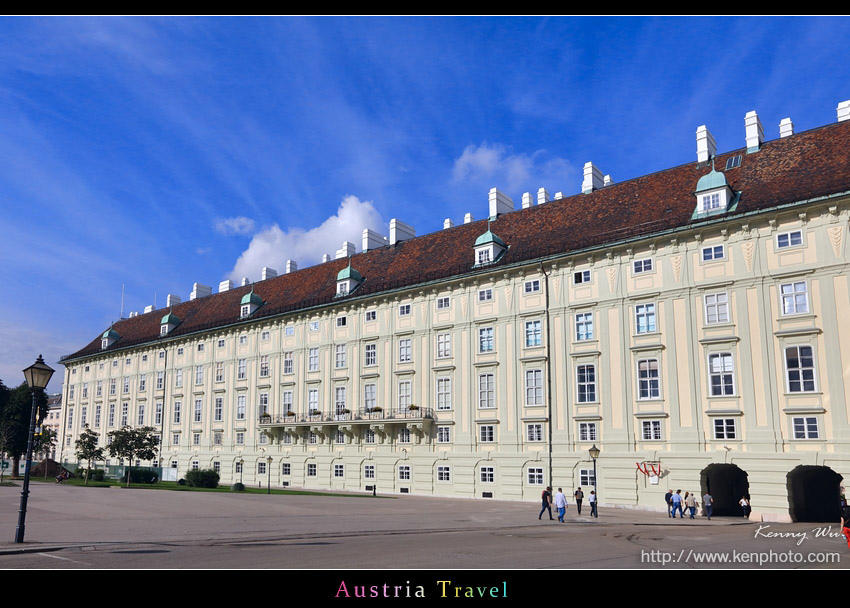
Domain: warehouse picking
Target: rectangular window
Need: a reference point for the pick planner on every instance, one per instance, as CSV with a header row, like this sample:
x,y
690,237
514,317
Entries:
x,y
711,201
370,355
96,416
710,254
716,308
289,331
286,469
587,431
444,303
488,474
724,428
444,473
587,478
404,310
486,391
110,420
221,343
339,470
404,435
485,295
198,410
126,384
340,359
178,412
405,351
532,334
721,374
201,347
218,413
264,403
243,339
111,388
158,413
534,432
444,434
651,430
485,340
265,335
795,298
532,286
405,395
369,437
370,396
178,378
199,374
580,277
240,407
219,373
313,361
534,387
640,266
341,321
125,414
586,383
242,369
444,346
800,369
311,470
196,439
444,394
240,438
535,476
99,389
86,387
484,256
217,439
487,433
789,239
83,412
141,418
175,439
649,384
339,401
369,471
264,366
313,401
314,326
645,318
805,427
371,315
404,472
288,366
287,402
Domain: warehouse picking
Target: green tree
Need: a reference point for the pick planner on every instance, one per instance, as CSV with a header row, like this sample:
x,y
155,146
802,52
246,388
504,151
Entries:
x,y
15,408
131,444
88,450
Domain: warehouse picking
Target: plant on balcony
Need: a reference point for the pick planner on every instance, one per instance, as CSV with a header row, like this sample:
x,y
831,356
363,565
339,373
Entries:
x,y
377,408
314,412
265,418
345,411
290,413
412,407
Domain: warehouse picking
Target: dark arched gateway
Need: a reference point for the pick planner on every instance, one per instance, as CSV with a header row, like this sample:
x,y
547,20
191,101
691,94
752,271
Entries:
x,y
727,484
814,494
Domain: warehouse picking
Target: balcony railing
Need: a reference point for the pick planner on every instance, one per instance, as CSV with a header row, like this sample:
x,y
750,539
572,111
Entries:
x,y
362,415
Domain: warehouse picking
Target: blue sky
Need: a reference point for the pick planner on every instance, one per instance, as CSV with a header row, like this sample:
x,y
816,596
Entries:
x,y
154,153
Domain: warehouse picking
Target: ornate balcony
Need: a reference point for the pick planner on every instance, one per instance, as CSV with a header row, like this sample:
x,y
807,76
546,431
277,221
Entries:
x,y
365,416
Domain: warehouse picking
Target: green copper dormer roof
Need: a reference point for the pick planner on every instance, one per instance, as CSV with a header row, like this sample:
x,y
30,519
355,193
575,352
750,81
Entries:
x,y
349,273
170,319
110,334
714,179
487,238
251,298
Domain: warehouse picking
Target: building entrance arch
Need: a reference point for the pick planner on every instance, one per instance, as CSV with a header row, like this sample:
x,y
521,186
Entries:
x,y
814,494
726,483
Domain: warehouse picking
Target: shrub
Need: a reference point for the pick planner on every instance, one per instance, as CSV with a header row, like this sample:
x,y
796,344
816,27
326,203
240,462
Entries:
x,y
237,487
143,476
202,478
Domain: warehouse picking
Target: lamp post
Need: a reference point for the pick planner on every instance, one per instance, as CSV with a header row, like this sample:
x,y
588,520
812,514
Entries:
x,y
594,454
269,460
38,376
241,469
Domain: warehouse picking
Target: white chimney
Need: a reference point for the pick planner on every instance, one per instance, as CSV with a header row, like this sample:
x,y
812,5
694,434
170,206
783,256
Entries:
x,y
399,231
171,300
843,110
607,181
592,178
225,286
268,273
291,266
706,146
149,308
500,202
527,201
245,281
200,291
326,257
558,196
755,133
786,128
447,223
467,218
372,240
347,250
542,196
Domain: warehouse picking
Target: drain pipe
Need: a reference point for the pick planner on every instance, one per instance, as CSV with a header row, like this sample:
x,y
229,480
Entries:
x,y
548,371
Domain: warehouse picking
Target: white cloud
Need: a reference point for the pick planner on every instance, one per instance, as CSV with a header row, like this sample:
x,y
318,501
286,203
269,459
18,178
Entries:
x,y
272,246
491,163
234,225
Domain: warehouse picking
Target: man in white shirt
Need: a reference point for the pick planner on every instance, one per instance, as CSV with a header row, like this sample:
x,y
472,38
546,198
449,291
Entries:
x,y
561,504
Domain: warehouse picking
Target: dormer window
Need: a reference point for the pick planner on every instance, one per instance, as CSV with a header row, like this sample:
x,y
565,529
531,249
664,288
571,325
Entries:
x,y
246,310
710,202
488,247
168,323
347,280
250,303
714,195
109,337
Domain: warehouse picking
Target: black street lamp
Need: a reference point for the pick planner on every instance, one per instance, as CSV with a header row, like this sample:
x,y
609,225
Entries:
x,y
270,460
594,454
241,468
38,376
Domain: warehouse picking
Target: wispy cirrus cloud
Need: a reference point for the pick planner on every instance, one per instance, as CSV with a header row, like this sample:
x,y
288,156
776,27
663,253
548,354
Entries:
x,y
234,225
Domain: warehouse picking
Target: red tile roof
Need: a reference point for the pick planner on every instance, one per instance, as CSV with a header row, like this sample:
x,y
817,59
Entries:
x,y
805,166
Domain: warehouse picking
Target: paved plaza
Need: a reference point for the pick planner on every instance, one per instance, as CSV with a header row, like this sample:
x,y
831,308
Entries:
x,y
71,527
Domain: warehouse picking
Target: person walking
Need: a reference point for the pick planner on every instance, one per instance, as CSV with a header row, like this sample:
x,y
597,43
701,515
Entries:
x,y
691,503
668,498
677,504
708,505
547,502
745,506
592,501
845,521
561,504
579,496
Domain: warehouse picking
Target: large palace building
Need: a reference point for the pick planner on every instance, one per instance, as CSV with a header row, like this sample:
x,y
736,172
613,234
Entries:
x,y
687,323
